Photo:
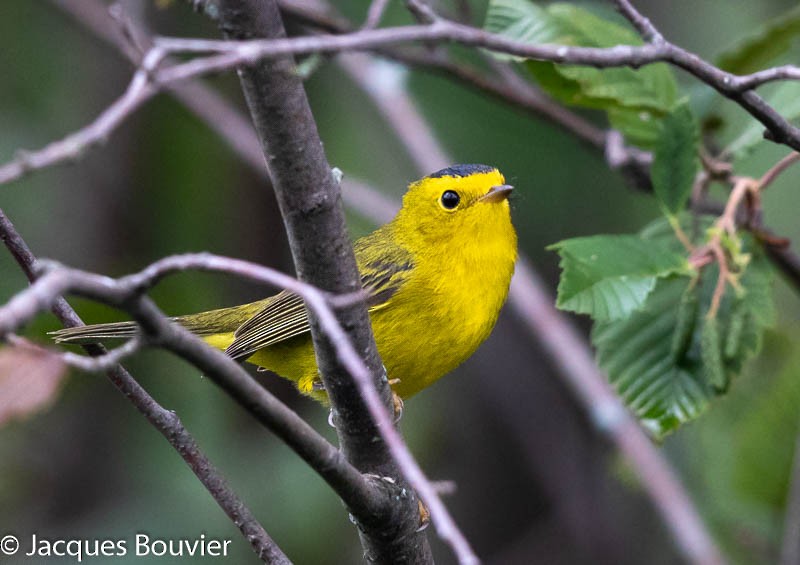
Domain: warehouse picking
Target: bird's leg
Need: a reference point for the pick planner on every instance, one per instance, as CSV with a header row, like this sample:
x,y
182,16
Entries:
x,y
397,402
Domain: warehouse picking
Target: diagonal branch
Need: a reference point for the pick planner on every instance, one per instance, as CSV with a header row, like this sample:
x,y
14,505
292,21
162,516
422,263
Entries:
x,y
360,493
165,421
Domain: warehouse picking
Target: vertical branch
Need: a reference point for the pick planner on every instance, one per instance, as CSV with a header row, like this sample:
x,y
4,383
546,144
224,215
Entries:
x,y
310,203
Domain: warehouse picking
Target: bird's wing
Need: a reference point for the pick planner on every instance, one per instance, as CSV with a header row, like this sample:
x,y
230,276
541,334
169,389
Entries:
x,y
285,316
282,318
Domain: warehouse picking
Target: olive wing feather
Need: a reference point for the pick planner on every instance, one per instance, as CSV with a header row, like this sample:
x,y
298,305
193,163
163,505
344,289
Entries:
x,y
285,316
282,318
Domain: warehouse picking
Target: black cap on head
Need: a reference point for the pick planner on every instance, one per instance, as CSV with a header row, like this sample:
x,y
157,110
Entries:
x,y
461,171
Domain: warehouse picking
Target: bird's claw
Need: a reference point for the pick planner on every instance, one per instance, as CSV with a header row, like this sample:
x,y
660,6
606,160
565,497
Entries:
x,y
424,516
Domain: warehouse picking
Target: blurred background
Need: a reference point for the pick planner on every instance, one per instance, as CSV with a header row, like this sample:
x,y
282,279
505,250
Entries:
x,y
536,482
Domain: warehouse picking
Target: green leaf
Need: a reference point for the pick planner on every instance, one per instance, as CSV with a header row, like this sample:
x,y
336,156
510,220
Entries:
x,y
635,354
650,87
785,100
763,46
675,159
521,20
635,99
685,323
711,355
666,385
610,276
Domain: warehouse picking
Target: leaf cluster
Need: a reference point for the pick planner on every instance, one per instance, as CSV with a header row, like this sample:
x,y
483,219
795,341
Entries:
x,y
667,343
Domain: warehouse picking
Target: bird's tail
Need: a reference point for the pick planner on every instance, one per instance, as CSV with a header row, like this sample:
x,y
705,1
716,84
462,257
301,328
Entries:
x,y
96,333
208,325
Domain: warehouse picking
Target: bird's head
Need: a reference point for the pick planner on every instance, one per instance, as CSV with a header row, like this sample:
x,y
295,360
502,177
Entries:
x,y
462,202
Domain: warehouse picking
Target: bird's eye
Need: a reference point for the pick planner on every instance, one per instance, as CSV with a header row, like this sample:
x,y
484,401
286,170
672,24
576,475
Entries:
x,y
450,199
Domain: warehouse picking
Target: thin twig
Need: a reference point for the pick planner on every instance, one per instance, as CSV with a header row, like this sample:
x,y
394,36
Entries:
x,y
165,421
779,167
756,79
230,54
90,364
103,363
234,53
421,11
374,14
643,25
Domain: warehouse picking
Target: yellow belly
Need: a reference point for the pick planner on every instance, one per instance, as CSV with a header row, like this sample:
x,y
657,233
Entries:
x,y
417,345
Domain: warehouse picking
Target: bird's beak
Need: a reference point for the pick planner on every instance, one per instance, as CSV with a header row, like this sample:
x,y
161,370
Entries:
x,y
497,193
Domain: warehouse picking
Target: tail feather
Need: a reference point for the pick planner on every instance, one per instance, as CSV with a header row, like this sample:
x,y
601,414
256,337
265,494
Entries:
x,y
222,321
95,333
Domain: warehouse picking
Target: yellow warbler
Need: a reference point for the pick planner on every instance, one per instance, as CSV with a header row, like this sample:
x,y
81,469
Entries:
x,y
437,276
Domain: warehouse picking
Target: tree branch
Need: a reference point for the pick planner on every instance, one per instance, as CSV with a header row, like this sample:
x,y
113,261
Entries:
x,y
374,14
310,204
165,421
233,54
643,25
360,493
736,87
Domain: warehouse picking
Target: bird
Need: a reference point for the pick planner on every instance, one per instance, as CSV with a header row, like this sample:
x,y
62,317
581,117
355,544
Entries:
x,y
435,277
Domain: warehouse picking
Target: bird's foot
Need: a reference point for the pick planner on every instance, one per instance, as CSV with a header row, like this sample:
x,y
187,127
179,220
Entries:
x,y
398,404
424,516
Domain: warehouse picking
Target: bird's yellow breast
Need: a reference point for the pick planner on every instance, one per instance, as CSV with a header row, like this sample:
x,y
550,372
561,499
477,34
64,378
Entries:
x,y
448,306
